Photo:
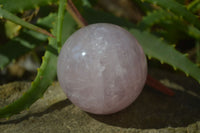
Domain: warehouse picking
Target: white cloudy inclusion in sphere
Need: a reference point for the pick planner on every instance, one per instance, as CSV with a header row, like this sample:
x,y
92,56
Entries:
x,y
102,68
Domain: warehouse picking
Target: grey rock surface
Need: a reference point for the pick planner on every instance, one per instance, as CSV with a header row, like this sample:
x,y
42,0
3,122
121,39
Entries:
x,y
152,112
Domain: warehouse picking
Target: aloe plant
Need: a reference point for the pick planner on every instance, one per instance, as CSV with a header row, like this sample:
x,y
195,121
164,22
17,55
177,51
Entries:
x,y
157,43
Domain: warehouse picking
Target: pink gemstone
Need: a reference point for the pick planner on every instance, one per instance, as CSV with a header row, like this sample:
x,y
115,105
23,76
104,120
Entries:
x,y
102,68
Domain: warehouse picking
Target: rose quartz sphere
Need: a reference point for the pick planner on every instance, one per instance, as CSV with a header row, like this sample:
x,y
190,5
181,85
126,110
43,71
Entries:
x,y
102,68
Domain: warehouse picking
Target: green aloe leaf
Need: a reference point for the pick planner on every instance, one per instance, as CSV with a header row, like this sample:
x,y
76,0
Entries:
x,y
159,49
160,16
177,9
45,76
7,15
47,71
194,6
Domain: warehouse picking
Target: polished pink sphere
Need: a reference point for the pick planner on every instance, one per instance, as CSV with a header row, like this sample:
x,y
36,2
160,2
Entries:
x,y
102,68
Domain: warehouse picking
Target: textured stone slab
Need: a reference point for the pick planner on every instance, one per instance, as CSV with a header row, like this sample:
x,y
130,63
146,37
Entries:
x,y
152,112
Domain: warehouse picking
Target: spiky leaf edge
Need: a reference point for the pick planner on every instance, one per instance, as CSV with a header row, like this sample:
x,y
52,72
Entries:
x,y
158,16
159,49
177,9
45,76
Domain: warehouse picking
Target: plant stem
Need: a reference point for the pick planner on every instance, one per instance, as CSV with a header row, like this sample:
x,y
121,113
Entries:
x,y
61,12
158,86
75,14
